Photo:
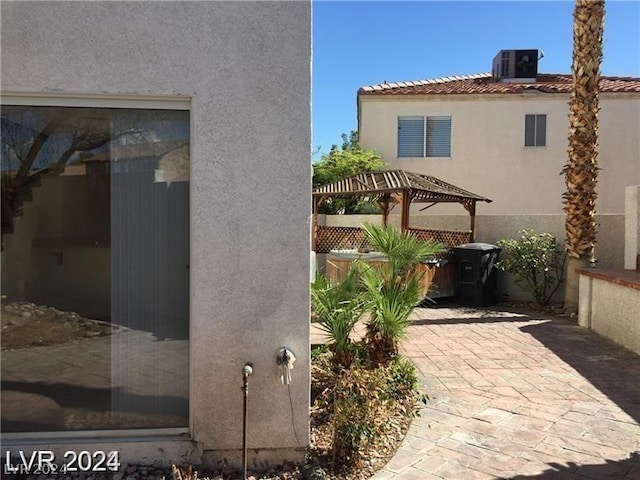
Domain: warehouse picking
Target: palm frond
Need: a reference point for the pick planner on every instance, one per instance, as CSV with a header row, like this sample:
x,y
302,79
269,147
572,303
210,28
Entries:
x,y
402,249
337,307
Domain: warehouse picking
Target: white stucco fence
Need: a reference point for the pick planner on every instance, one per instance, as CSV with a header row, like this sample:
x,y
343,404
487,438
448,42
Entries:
x,y
610,299
611,308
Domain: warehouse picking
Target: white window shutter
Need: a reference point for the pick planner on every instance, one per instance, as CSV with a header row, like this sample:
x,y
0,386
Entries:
x,y
410,136
438,136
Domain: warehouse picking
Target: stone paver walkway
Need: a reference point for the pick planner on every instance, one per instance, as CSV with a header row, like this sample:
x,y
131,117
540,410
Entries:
x,y
519,397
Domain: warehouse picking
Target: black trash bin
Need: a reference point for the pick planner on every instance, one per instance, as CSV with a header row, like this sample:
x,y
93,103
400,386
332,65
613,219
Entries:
x,y
476,274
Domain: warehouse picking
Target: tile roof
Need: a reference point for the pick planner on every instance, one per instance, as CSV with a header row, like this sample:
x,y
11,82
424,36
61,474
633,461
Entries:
x,y
483,84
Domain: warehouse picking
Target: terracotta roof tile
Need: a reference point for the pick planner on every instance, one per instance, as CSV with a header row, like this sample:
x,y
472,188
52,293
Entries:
x,y
483,84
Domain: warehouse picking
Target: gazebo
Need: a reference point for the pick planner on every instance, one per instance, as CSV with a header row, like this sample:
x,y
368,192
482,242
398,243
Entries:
x,y
388,188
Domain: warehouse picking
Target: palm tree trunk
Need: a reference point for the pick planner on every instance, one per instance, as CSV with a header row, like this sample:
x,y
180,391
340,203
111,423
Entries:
x,y
581,169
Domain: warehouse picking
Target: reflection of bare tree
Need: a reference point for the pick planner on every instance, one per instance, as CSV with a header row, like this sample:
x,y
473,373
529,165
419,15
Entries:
x,y
23,145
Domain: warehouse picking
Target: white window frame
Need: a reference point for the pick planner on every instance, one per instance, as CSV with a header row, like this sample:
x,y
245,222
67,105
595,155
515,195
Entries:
x,y
151,102
139,102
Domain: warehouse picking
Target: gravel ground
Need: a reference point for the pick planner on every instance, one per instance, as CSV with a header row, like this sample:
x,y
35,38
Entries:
x,y
138,472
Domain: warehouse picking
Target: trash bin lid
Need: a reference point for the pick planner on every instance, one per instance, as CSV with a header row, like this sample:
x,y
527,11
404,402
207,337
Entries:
x,y
485,247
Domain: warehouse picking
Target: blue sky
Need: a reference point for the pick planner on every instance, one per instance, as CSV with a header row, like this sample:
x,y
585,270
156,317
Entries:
x,y
368,42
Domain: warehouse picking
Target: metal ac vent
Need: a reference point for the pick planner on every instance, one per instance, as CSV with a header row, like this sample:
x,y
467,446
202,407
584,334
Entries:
x,y
515,66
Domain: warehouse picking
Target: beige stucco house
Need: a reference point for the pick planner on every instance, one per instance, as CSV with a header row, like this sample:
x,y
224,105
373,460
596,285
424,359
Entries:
x,y
485,135
175,120
505,138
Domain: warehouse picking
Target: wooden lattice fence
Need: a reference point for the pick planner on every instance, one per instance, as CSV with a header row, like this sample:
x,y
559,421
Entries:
x,y
340,238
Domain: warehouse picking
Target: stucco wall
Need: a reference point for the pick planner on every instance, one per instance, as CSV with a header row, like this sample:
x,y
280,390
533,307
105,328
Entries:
x,y
491,228
488,156
610,310
632,227
246,68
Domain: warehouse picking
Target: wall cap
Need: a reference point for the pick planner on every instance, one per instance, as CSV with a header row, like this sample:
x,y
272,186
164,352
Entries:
x,y
626,278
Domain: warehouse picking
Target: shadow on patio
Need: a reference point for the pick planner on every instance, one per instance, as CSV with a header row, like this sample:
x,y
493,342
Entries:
x,y
519,395
614,470
612,369
447,312
609,367
492,318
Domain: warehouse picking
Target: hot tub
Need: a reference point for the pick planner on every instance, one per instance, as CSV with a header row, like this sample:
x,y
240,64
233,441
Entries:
x,y
339,261
352,255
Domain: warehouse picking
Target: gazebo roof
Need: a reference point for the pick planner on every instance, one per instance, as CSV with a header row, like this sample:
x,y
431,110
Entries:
x,y
421,188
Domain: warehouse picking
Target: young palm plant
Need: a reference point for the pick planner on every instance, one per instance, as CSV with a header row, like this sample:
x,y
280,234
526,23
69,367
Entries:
x,y
337,307
392,289
389,304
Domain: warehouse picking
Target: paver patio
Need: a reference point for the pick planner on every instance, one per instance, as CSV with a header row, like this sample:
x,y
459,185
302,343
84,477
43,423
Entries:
x,y
520,397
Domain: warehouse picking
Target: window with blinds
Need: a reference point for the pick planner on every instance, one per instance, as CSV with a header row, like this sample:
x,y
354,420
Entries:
x,y
424,136
535,130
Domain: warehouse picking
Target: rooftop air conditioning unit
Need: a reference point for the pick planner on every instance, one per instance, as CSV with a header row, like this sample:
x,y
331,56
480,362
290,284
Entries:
x,y
515,66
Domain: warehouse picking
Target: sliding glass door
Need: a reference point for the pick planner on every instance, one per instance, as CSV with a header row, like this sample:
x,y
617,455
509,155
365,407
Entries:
x,y
95,268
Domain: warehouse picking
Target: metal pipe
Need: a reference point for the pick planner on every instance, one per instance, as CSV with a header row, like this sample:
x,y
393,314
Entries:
x,y
247,370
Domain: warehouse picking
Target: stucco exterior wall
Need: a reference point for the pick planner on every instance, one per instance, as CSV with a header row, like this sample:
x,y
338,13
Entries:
x,y
632,227
610,310
488,156
245,66
491,228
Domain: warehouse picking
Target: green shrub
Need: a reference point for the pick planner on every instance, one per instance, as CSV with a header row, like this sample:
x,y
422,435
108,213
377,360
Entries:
x,y
536,260
354,412
363,400
317,351
403,378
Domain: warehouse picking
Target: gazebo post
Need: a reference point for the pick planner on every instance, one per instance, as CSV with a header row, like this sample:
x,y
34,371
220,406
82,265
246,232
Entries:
x,y
314,223
385,210
406,207
471,208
